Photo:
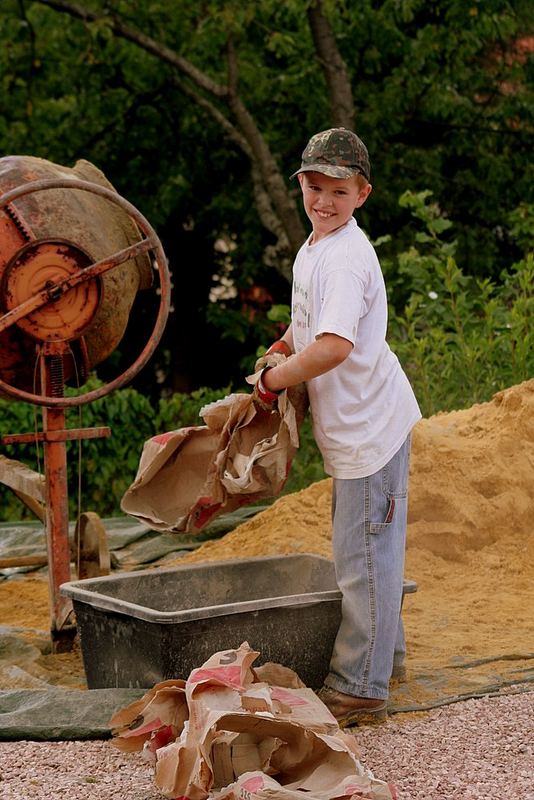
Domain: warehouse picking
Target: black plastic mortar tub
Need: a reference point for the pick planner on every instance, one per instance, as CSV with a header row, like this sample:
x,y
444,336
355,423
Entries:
x,y
139,628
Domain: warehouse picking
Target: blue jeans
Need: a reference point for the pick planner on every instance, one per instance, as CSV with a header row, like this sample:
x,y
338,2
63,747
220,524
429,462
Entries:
x,y
369,537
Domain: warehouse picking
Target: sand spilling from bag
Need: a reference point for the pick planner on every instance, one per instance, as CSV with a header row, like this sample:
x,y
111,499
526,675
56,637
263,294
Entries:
x,y
470,531
470,543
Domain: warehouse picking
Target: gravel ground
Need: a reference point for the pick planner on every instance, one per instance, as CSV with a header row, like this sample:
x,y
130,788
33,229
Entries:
x,y
475,750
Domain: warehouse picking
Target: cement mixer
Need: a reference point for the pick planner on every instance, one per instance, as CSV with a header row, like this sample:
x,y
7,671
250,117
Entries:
x,y
73,255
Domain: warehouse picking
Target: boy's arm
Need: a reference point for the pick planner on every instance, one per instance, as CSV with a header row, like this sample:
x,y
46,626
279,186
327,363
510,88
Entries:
x,y
322,355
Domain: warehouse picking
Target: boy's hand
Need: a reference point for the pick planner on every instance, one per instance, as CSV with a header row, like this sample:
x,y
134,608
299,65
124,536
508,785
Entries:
x,y
276,353
268,360
262,396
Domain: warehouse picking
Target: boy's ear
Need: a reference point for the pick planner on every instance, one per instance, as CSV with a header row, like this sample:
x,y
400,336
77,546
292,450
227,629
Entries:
x,y
363,195
300,176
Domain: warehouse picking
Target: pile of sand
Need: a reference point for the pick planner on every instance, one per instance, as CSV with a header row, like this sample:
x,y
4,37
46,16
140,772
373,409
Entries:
x,y
470,543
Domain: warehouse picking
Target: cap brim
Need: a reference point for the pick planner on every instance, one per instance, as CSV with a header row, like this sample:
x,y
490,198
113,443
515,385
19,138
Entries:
x,y
327,169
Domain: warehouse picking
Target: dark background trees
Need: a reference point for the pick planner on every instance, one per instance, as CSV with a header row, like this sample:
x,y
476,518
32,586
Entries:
x,y
198,112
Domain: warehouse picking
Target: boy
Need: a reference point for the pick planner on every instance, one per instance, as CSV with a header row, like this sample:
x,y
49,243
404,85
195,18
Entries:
x,y
363,409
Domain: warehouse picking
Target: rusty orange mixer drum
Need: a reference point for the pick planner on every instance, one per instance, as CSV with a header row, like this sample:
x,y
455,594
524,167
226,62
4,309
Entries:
x,y
47,236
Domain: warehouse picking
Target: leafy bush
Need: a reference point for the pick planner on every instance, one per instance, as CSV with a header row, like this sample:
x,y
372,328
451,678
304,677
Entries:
x,y
307,465
459,338
181,410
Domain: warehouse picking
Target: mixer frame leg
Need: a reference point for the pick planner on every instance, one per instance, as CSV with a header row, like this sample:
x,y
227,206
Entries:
x,y
57,512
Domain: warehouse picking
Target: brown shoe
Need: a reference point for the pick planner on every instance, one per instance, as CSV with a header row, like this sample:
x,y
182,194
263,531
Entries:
x,y
349,710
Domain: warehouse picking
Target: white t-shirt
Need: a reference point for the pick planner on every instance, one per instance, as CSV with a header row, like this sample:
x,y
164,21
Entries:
x,y
364,409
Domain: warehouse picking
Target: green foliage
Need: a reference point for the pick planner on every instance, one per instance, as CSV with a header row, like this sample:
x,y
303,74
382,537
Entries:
x,y
233,323
182,410
521,221
460,338
307,467
279,313
109,465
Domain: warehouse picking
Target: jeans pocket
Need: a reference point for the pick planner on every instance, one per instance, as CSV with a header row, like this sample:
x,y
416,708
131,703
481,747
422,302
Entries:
x,y
379,527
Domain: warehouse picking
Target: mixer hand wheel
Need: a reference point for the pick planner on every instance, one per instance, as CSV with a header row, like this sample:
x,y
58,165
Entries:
x,y
54,291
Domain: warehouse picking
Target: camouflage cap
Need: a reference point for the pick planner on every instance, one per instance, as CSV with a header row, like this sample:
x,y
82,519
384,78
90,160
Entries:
x,y
338,153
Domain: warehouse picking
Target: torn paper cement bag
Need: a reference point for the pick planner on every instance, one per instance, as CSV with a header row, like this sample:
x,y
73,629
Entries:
x,y
242,736
242,454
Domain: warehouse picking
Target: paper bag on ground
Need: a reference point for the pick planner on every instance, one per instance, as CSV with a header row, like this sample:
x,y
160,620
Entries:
x,y
243,737
242,454
157,718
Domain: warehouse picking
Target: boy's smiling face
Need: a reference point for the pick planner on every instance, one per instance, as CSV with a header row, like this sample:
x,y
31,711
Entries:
x,y
329,202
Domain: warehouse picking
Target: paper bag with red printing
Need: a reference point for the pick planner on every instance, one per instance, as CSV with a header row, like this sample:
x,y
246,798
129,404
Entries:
x,y
247,738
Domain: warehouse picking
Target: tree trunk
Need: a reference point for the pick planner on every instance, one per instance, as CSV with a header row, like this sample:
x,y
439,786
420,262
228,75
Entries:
x,y
334,67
